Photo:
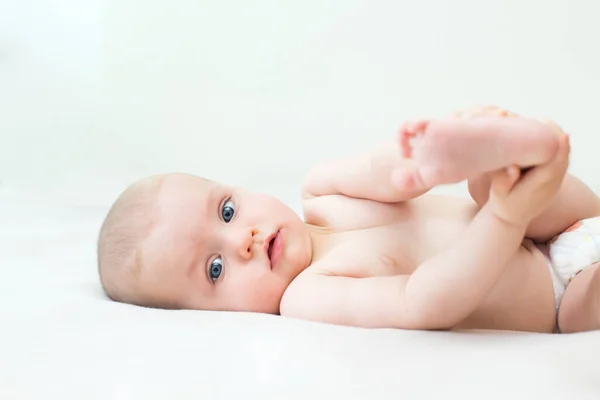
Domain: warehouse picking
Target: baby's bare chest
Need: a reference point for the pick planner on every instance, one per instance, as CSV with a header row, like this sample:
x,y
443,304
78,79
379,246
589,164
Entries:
x,y
382,251
391,239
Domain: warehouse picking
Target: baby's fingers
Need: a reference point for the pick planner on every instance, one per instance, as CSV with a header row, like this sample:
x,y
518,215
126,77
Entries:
x,y
552,172
504,180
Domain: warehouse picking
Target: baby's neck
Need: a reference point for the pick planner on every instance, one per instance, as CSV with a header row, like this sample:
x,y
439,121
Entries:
x,y
319,239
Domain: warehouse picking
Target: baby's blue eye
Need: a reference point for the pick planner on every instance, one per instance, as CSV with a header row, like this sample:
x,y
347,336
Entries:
x,y
227,211
215,269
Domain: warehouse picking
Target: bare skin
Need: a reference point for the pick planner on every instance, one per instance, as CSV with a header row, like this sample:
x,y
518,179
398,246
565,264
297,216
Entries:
x,y
396,239
573,202
386,244
580,306
375,251
453,150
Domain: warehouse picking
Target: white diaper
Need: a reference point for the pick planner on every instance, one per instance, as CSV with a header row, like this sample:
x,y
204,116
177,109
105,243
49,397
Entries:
x,y
573,251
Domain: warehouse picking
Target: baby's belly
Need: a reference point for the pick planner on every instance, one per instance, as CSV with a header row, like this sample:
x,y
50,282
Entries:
x,y
523,298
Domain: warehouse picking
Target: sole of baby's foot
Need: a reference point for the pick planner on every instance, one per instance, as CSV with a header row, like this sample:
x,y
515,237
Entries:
x,y
452,150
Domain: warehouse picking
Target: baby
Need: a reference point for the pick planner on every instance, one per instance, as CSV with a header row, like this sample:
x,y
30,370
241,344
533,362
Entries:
x,y
373,251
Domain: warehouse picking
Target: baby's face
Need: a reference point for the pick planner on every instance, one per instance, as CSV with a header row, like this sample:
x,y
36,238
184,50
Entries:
x,y
214,247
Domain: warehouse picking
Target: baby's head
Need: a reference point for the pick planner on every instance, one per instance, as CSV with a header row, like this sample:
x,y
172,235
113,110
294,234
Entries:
x,y
181,241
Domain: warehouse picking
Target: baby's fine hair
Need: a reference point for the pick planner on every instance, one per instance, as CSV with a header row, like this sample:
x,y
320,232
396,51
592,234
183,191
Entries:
x,y
126,225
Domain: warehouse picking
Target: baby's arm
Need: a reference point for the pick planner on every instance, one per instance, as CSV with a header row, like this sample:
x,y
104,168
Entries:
x,y
447,288
367,176
442,292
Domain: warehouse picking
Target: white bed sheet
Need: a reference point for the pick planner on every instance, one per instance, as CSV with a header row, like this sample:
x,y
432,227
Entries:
x,y
62,338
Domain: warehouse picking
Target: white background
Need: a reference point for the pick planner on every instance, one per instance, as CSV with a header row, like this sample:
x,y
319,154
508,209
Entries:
x,y
95,94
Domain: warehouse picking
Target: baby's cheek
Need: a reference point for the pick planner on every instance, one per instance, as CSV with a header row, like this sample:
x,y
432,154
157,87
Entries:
x,y
260,293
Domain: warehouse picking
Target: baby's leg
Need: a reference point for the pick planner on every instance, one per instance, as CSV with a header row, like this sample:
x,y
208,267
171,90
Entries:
x,y
451,150
580,306
574,201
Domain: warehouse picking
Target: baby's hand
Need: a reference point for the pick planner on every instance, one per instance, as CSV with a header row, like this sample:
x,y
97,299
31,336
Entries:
x,y
518,198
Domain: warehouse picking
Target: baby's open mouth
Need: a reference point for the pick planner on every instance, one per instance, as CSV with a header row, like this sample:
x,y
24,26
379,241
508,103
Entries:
x,y
270,249
270,246
271,242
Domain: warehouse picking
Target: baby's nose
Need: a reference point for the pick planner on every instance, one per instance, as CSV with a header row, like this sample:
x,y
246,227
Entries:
x,y
246,242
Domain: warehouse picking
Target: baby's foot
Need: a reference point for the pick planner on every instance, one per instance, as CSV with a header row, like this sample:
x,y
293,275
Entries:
x,y
483,111
451,150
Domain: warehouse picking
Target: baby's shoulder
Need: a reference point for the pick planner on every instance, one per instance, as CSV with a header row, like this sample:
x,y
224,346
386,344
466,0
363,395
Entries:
x,y
304,290
328,294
